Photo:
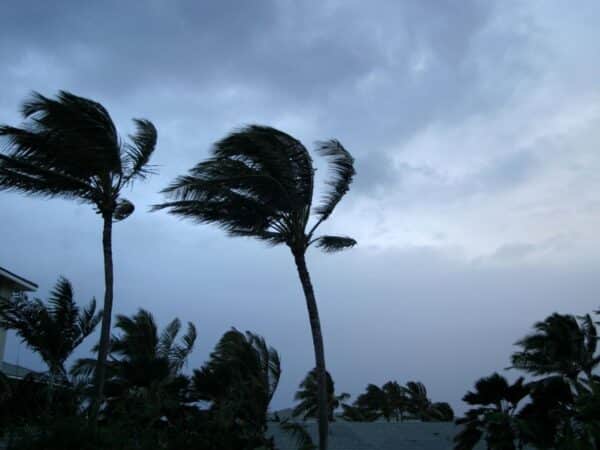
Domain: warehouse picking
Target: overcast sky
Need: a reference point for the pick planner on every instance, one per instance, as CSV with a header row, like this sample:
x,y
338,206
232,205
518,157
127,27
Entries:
x,y
476,130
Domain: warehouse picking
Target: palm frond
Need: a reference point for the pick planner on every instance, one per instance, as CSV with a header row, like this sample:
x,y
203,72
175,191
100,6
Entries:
x,y
299,433
331,244
88,319
24,175
180,352
341,164
138,153
168,336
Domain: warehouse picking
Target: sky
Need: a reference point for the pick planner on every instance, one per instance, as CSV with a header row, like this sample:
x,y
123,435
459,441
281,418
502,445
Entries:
x,y
475,126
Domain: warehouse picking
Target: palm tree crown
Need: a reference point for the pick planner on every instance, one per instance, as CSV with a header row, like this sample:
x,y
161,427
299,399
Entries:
x,y
53,330
260,182
307,396
561,346
69,147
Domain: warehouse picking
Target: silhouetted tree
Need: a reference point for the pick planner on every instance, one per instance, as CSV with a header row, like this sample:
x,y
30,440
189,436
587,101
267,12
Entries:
x,y
53,330
239,380
494,416
560,346
259,182
307,395
69,148
144,380
396,401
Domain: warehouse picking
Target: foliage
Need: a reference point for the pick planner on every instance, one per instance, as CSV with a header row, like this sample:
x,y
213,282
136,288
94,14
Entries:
x,y
259,182
144,381
563,407
53,330
395,402
69,147
561,345
307,396
493,417
239,381
302,436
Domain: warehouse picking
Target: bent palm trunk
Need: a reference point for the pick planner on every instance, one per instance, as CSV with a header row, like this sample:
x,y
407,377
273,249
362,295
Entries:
x,y
106,316
315,326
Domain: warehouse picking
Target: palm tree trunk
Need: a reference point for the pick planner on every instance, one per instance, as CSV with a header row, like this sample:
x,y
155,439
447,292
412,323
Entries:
x,y
315,326
106,316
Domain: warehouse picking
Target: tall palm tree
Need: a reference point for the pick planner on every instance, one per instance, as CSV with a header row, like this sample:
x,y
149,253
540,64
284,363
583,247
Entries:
x,y
53,330
307,396
494,416
560,346
259,182
69,147
144,367
239,380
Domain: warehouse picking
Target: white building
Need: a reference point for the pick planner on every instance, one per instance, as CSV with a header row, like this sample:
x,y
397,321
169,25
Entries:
x,y
11,283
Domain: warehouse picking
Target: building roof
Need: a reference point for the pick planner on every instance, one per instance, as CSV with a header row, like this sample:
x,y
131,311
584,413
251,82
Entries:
x,y
376,435
14,371
17,282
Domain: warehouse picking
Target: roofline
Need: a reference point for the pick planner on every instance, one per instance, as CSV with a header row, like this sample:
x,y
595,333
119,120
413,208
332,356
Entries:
x,y
23,283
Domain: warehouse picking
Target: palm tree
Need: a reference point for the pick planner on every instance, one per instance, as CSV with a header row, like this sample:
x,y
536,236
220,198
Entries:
x,y
69,148
53,330
396,400
307,395
369,406
560,346
494,415
259,182
144,367
239,380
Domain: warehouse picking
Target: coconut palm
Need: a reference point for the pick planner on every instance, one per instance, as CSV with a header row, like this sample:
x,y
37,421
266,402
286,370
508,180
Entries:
x,y
69,148
494,416
307,396
239,380
561,345
369,406
144,367
259,182
54,329
396,401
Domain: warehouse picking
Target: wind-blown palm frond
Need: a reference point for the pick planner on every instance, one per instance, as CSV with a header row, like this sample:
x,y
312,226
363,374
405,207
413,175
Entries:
x,y
331,244
300,434
180,352
138,153
341,165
